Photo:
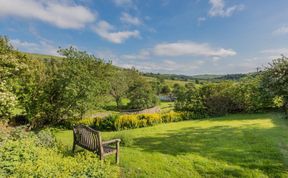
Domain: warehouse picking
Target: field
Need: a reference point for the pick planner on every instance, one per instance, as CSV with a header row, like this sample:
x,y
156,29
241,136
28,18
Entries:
x,y
241,145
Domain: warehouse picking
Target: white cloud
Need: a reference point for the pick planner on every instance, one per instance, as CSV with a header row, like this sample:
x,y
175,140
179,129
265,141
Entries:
x,y
276,52
127,18
218,8
105,30
142,55
42,47
191,49
281,31
163,66
56,12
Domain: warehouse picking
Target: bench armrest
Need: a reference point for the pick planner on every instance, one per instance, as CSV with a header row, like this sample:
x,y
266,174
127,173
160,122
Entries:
x,y
111,141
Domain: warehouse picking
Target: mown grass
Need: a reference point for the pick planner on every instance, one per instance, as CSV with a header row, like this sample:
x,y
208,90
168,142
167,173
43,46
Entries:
x,y
242,145
166,106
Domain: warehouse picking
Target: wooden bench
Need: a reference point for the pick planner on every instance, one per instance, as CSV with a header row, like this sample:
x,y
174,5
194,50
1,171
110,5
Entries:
x,y
90,139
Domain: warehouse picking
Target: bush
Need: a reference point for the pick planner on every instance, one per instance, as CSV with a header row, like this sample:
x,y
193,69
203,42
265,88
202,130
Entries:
x,y
127,122
7,102
26,158
107,123
18,120
151,119
123,122
171,117
86,121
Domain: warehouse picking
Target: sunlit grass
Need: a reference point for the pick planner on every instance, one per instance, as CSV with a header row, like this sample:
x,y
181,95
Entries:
x,y
242,145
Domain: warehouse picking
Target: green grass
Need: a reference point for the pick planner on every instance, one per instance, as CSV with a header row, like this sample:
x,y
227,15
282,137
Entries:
x,y
166,106
247,145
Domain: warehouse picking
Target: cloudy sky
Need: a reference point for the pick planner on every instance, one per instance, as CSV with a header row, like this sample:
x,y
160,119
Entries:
x,y
166,36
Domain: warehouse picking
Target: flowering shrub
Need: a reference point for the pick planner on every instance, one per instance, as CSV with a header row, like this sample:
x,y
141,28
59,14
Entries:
x,y
144,120
25,157
152,119
127,121
7,102
171,117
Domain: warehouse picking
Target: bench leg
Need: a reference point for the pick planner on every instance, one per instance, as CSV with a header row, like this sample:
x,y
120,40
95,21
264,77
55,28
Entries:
x,y
73,148
117,153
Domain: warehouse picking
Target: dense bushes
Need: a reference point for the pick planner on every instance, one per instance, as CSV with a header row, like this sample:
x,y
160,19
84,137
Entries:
x,y
216,99
122,122
38,156
275,79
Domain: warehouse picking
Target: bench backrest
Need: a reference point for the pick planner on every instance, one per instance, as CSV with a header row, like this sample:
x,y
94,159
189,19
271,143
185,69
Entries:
x,y
87,138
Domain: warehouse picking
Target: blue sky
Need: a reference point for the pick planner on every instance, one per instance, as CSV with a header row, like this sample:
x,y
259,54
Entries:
x,y
167,36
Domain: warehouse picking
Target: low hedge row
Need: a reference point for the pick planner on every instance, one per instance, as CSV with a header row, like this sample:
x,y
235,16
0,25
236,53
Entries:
x,y
122,122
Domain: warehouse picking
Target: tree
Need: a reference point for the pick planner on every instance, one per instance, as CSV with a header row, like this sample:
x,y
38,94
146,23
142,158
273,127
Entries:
x,y
141,95
119,85
177,89
11,68
60,90
166,90
275,79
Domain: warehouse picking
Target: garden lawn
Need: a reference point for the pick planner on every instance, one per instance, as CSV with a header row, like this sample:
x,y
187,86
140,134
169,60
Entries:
x,y
242,145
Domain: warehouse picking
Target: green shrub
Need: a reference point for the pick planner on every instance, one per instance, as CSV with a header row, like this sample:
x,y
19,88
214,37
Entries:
x,y
7,102
107,123
86,121
123,122
171,117
25,158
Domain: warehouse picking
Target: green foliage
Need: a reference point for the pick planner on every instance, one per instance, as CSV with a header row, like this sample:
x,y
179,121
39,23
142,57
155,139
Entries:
x,y
191,101
119,84
11,67
107,123
217,99
32,157
7,102
171,117
124,122
58,90
128,122
276,79
141,95
166,89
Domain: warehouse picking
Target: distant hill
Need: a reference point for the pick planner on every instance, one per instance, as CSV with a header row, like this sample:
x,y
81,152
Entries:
x,y
169,77
196,77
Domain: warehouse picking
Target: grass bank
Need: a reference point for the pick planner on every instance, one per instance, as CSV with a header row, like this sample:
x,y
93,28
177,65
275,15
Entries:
x,y
242,145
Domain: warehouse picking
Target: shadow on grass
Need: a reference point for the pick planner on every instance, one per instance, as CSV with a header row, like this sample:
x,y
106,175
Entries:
x,y
250,146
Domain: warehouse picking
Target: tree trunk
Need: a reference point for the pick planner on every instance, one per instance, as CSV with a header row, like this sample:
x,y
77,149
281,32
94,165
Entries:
x,y
118,102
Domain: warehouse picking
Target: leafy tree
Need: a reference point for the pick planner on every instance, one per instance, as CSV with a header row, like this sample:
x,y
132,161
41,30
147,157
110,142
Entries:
x,y
59,90
177,89
11,68
276,79
119,85
141,95
166,89
191,101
